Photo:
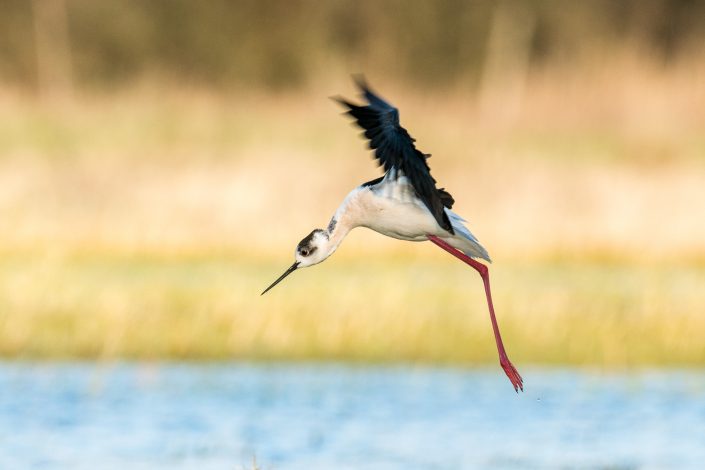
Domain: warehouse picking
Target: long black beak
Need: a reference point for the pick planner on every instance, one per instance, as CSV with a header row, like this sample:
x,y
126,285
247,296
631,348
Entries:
x,y
288,271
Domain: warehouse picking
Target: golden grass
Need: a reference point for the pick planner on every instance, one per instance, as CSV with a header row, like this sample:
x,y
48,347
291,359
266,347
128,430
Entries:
x,y
145,224
427,308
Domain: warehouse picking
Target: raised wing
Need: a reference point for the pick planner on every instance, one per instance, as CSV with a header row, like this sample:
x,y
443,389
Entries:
x,y
394,148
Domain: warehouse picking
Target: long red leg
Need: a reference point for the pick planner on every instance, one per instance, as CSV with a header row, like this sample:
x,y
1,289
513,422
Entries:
x,y
504,361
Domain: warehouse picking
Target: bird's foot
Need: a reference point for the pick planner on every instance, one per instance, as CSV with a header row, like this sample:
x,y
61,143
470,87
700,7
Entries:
x,y
512,373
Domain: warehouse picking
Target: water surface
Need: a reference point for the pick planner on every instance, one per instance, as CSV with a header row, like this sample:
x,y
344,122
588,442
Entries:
x,y
174,416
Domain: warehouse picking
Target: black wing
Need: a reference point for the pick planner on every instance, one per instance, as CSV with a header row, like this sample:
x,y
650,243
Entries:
x,y
394,148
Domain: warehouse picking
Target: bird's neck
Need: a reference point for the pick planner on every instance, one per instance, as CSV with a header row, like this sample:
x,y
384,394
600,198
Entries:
x,y
337,229
342,222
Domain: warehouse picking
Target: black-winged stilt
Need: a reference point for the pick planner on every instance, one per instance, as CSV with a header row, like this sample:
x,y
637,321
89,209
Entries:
x,y
404,204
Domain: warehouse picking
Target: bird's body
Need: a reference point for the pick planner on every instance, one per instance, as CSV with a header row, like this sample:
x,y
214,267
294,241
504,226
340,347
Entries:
x,y
392,208
404,204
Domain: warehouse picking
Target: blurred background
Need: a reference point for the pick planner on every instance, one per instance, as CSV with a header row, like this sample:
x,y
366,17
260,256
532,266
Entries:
x,y
160,160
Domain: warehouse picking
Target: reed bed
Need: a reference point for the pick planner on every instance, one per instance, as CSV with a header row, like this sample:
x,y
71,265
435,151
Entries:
x,y
145,224
426,308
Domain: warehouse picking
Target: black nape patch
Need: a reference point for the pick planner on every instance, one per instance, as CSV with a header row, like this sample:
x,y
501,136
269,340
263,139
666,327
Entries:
x,y
332,224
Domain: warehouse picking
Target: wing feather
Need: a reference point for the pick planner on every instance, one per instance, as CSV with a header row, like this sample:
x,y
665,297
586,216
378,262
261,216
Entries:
x,y
394,148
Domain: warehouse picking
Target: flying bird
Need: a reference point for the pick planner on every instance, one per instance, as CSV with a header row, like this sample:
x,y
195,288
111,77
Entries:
x,y
404,203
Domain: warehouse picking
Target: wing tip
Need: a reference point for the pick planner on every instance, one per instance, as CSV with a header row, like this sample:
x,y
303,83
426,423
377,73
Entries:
x,y
339,99
347,105
360,81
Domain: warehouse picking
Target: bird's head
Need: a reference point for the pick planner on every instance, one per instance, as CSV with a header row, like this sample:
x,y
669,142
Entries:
x,y
313,249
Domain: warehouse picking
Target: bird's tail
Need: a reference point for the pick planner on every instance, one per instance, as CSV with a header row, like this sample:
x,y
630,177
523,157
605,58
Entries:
x,y
465,240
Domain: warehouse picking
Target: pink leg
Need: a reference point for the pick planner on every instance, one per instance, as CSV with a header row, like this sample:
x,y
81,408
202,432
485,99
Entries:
x,y
509,369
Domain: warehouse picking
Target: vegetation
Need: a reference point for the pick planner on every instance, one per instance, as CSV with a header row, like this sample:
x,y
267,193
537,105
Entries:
x,y
426,309
287,44
145,226
144,210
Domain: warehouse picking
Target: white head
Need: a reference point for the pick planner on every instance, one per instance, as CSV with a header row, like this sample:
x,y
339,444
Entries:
x,y
313,249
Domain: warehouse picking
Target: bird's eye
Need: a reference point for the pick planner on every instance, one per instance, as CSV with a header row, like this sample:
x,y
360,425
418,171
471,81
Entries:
x,y
307,251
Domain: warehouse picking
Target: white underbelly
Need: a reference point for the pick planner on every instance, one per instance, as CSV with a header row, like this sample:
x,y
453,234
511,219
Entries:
x,y
402,220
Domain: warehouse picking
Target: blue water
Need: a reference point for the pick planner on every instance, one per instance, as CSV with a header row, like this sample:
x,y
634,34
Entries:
x,y
157,416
